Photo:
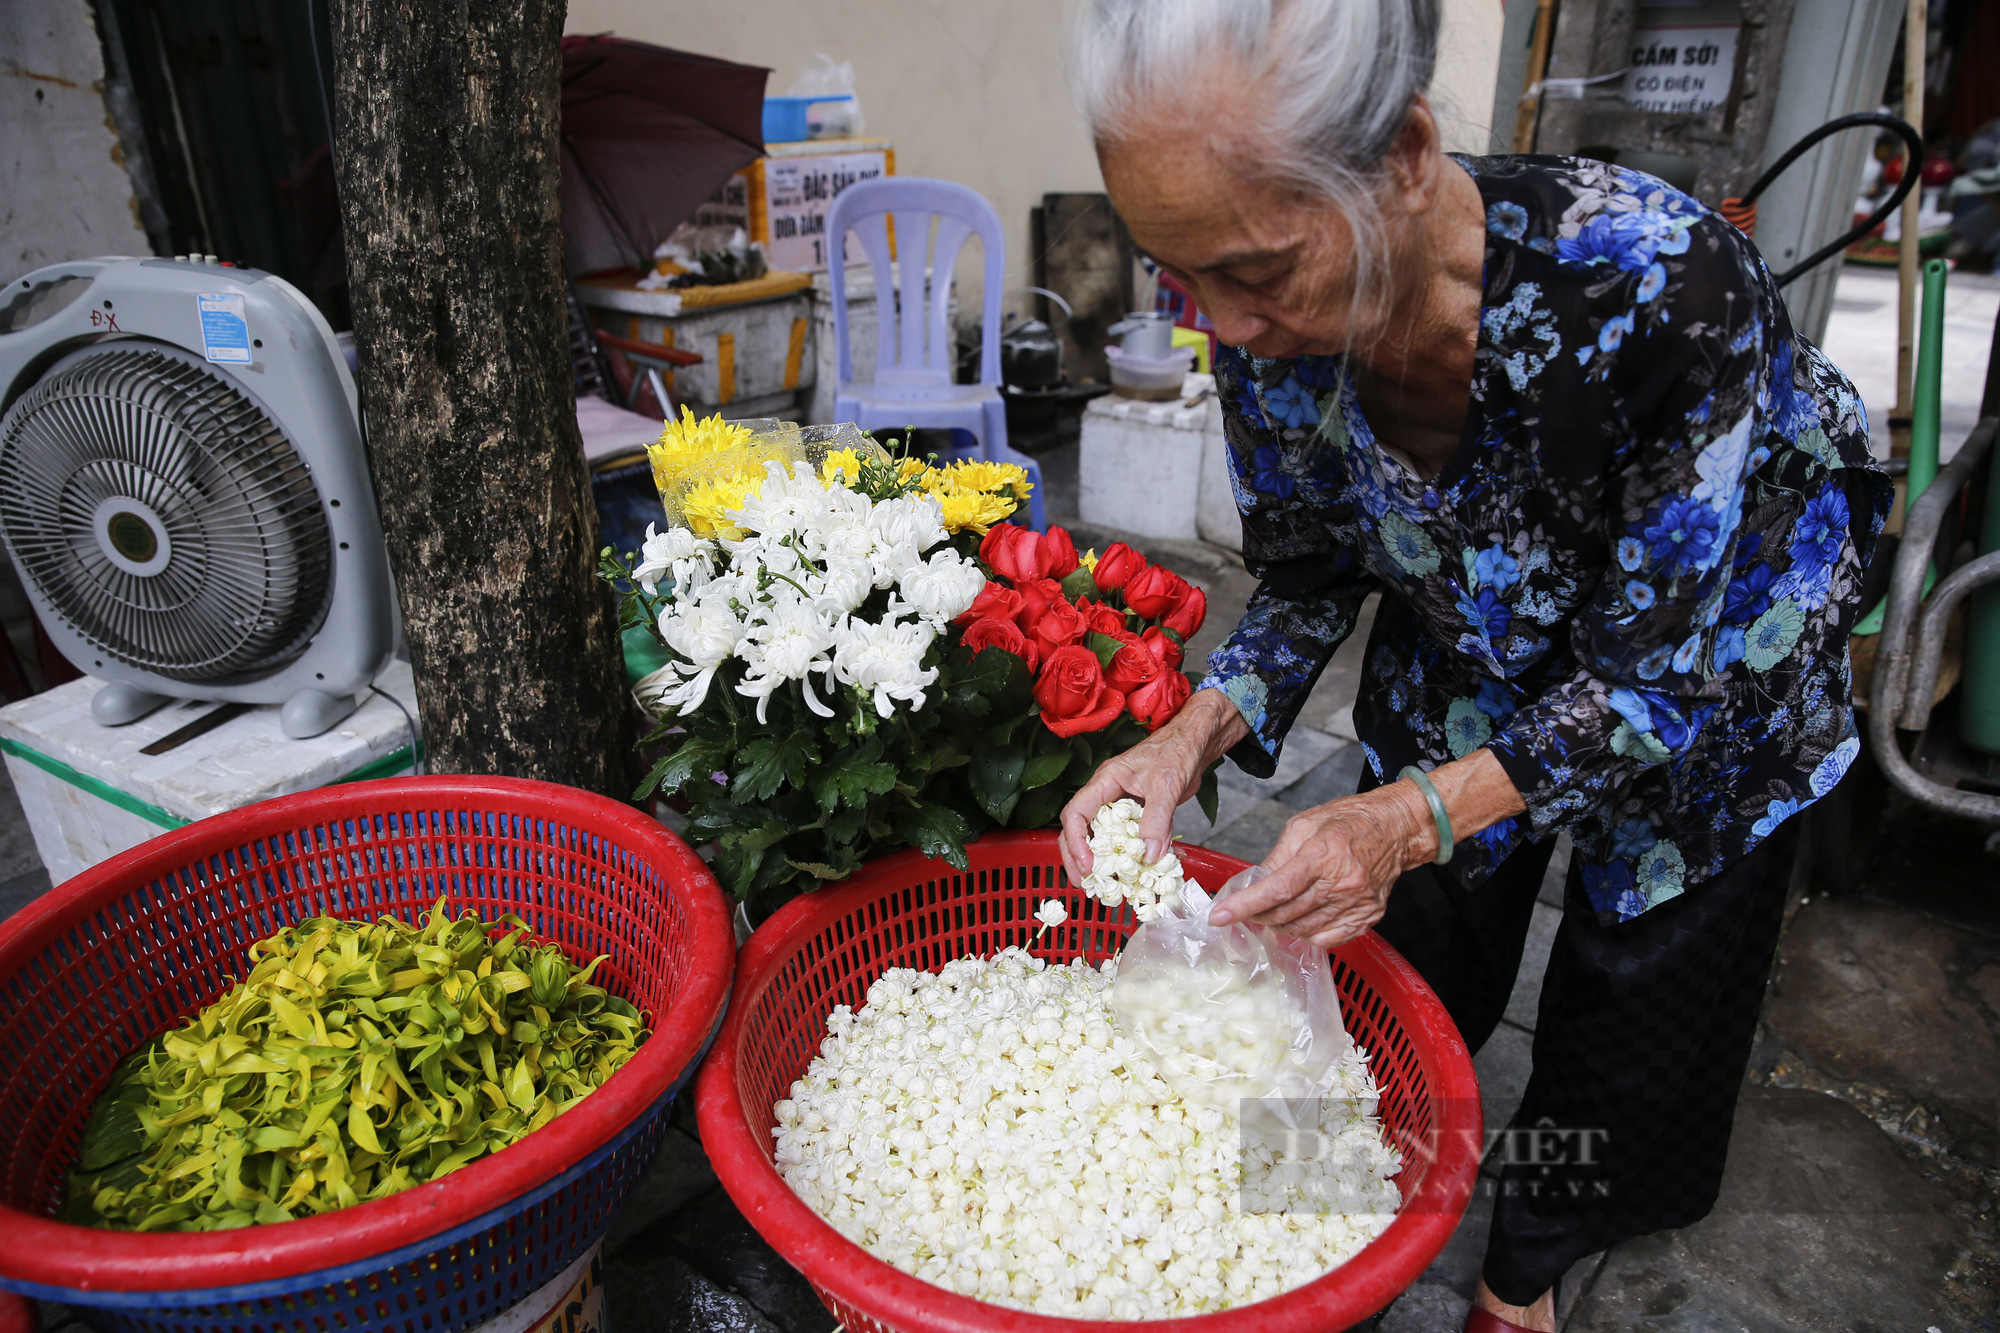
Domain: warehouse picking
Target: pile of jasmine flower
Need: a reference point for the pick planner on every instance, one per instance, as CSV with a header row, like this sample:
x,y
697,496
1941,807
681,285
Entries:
x,y
1118,871
785,596
987,1128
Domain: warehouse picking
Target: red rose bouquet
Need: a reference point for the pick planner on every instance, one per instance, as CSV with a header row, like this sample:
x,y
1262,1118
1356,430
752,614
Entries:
x,y
1077,659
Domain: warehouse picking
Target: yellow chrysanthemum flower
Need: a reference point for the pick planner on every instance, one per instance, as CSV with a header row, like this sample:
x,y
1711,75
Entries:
x,y
1088,560
687,441
841,464
706,505
977,474
914,469
972,509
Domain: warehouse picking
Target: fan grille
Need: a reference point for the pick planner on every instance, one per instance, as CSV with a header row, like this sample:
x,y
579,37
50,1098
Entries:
x,y
221,567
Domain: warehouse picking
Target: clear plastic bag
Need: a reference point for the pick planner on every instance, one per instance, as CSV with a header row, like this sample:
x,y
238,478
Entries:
x,y
1225,1013
839,117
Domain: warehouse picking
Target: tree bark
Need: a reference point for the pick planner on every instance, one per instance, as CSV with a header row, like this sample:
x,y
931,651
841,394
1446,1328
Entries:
x,y
446,121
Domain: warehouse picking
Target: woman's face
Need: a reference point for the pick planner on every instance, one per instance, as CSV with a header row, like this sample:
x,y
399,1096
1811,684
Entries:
x,y
1272,268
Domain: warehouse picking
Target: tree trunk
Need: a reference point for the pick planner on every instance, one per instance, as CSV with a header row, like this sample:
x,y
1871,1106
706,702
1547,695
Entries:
x,y
446,117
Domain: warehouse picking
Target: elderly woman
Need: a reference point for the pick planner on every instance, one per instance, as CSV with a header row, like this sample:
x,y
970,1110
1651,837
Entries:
x,y
1555,413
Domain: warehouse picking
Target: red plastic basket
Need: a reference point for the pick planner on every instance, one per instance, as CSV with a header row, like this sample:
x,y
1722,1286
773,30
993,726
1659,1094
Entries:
x,y
135,945
907,911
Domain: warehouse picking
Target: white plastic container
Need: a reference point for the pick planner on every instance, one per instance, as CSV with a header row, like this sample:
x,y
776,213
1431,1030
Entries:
x,y
1154,379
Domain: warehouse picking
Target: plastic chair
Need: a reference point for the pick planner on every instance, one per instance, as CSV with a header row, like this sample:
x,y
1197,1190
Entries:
x,y
913,344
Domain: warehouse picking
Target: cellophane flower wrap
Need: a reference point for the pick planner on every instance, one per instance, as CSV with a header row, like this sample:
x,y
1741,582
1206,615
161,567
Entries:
x,y
842,680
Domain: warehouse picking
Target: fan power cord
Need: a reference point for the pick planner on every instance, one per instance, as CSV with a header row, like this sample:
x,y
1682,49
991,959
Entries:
x,y
416,755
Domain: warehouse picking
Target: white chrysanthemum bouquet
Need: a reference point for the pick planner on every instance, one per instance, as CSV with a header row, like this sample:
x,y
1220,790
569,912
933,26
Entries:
x,y
803,591
792,600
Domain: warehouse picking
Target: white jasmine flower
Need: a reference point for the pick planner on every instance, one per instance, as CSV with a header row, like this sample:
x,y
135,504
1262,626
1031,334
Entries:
x,y
986,1129
1051,912
1118,875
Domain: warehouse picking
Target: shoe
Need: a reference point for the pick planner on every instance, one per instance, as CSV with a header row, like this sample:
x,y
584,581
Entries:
x,y
1485,1321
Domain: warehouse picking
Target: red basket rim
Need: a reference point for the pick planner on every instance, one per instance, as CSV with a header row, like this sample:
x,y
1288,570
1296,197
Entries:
x,y
57,1254
1357,1289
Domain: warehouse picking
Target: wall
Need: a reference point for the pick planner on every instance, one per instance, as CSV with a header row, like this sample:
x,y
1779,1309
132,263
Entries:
x,y
64,193
977,92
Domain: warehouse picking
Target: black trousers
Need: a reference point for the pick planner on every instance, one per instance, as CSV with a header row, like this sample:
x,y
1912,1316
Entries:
x,y
1641,1041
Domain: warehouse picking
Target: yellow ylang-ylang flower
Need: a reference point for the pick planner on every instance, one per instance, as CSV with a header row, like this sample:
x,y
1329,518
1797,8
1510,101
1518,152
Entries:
x,y
355,1060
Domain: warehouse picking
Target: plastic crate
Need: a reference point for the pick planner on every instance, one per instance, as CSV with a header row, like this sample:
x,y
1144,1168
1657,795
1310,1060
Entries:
x,y
137,944
824,949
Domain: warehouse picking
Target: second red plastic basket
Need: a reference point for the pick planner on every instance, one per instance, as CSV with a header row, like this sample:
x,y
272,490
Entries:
x,y
907,911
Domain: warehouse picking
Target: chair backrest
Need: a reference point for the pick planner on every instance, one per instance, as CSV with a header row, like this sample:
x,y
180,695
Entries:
x,y
914,344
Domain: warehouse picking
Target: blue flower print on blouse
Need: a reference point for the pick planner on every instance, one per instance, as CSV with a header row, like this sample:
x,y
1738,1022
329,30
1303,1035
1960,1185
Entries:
x,y
1488,616
1268,474
1495,699
1630,241
1633,581
1609,886
1749,595
1633,839
1817,536
1507,221
1290,403
1682,533
1494,568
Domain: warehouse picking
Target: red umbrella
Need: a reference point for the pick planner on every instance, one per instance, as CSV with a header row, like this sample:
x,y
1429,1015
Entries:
x,y
648,134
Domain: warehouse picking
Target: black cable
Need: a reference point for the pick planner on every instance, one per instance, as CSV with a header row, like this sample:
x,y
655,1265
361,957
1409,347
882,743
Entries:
x,y
1912,173
319,75
416,753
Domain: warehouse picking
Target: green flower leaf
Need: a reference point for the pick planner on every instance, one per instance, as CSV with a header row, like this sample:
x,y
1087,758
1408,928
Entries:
x,y
936,830
1045,768
771,763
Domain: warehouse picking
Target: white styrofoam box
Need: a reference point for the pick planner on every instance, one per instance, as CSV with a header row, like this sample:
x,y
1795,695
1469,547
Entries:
x,y
89,794
756,355
1139,466
1216,515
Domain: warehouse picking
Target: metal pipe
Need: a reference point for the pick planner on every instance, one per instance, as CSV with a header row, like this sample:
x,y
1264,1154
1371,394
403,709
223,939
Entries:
x,y
1932,626
1893,655
1979,707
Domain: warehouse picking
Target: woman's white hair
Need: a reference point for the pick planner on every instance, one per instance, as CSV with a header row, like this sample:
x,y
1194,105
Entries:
x,y
1327,88
1329,83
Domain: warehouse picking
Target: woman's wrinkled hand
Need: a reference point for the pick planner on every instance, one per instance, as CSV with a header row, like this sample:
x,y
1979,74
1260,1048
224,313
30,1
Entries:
x,y
1331,872
1159,772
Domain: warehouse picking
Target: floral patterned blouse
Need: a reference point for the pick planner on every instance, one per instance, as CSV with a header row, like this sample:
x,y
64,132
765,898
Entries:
x,y
1633,579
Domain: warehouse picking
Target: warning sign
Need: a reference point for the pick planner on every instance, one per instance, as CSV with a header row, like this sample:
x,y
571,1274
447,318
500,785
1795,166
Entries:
x,y
1685,69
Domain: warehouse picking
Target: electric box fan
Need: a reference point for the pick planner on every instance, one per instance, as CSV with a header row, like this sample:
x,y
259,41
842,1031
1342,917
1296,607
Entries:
x,y
183,489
